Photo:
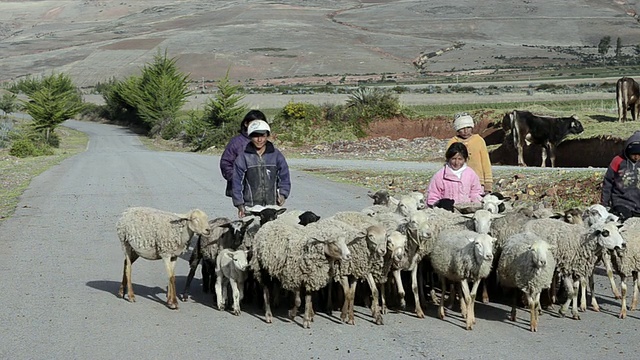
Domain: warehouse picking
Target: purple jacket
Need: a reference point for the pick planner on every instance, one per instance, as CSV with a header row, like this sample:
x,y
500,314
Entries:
x,y
236,146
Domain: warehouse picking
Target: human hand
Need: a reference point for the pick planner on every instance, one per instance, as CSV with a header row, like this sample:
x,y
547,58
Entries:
x,y
241,212
280,200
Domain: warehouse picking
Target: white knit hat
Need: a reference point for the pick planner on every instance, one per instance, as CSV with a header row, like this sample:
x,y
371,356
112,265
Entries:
x,y
462,121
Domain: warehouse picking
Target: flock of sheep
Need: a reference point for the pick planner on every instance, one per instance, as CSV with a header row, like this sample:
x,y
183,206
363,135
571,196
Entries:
x,y
518,247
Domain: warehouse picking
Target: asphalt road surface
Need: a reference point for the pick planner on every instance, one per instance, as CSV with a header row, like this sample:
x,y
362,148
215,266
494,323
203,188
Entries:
x,y
61,263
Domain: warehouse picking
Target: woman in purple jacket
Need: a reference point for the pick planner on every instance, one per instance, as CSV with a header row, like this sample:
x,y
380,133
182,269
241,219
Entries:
x,y
455,181
236,146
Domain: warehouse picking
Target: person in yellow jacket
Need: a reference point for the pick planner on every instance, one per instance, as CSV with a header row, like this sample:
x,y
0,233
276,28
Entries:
x,y
478,153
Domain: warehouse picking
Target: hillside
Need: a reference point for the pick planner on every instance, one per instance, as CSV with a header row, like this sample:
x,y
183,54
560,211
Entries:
x,y
304,41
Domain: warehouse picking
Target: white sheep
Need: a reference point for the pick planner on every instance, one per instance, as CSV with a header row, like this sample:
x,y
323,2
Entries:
x,y
527,264
461,256
231,268
299,256
627,262
155,234
576,250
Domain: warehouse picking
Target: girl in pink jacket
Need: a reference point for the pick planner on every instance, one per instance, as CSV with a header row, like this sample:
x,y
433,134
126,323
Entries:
x,y
455,181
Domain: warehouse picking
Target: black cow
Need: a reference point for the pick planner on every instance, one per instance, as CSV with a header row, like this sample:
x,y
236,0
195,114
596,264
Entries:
x,y
541,130
627,98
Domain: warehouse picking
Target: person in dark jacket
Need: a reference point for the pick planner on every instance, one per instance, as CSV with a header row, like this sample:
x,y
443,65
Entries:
x,y
235,146
621,184
261,173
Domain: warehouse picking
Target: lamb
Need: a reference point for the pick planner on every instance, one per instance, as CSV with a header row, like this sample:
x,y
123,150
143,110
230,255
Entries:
x,y
231,267
299,217
155,234
576,250
494,202
460,256
299,256
225,234
527,264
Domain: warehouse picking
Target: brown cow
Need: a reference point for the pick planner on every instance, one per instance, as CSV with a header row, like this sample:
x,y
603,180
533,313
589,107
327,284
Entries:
x,y
628,98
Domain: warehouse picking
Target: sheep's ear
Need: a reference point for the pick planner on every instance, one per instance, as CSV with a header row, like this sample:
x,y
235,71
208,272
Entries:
x,y
497,216
247,220
371,195
280,211
313,241
468,216
557,216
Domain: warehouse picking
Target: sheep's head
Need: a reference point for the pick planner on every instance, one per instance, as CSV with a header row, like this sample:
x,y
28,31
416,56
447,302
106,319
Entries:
x,y
596,213
238,228
376,238
539,251
266,214
240,259
308,217
380,197
396,243
482,220
197,221
483,247
407,206
608,236
335,249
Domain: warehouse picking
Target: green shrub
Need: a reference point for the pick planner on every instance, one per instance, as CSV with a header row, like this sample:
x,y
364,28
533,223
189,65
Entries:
x,y
26,147
172,129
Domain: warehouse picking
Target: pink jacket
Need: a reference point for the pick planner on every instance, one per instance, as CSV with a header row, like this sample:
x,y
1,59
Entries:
x,y
445,185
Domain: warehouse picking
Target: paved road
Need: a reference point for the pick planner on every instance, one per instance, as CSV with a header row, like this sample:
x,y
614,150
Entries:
x,y
61,263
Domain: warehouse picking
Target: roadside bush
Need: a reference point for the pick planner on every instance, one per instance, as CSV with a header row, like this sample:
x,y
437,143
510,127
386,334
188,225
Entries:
x,y
25,147
6,127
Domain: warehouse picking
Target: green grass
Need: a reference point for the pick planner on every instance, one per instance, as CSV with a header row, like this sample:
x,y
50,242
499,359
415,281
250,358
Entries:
x,y
16,174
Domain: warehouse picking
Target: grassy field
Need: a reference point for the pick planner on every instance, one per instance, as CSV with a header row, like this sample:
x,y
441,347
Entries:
x,y
16,173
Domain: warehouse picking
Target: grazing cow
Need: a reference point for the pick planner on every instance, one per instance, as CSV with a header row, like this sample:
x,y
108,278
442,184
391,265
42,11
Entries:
x,y
627,98
541,130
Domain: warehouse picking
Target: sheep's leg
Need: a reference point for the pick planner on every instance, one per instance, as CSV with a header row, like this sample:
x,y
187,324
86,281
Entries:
x,y
221,299
296,304
606,260
592,294
485,292
383,297
170,266
514,304
268,317
469,297
574,300
634,301
236,297
583,294
432,293
623,293
421,282
401,294
308,310
344,281
553,291
375,308
329,290
193,266
129,258
534,303
544,156
452,295
463,302
441,306
416,295
352,297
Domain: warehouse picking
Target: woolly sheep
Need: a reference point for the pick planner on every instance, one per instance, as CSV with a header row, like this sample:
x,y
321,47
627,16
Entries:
x,y
576,250
368,262
155,234
628,263
527,264
299,256
494,203
461,256
231,268
295,217
225,234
